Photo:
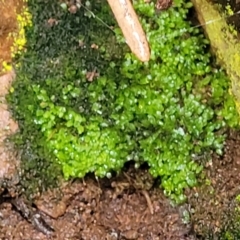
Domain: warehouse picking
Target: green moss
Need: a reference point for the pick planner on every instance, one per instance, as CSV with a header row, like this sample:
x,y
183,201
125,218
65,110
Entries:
x,y
56,63
170,112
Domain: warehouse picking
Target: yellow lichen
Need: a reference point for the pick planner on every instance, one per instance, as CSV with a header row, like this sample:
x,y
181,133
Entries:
x,y
23,19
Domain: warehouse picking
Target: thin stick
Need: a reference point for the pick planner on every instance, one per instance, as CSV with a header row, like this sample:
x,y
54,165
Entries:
x,y
149,202
132,30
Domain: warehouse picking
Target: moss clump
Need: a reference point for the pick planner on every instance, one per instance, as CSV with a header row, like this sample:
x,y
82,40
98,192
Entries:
x,y
169,112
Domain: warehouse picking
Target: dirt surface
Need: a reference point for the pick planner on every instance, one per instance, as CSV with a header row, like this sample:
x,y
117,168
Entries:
x,y
214,202
108,209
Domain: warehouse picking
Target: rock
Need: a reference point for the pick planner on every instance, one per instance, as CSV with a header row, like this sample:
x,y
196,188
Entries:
x,y
130,234
9,160
6,82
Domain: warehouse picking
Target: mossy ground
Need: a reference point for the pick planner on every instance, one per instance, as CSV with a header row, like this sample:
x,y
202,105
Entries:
x,y
92,107
46,167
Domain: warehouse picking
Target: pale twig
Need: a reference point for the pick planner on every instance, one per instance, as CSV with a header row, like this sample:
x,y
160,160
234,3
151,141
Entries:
x,y
149,202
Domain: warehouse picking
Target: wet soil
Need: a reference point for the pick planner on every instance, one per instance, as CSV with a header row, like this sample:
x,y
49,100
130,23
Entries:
x,y
214,203
106,209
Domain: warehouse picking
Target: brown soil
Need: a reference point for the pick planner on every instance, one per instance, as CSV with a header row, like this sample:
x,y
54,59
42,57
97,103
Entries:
x,y
108,209
214,202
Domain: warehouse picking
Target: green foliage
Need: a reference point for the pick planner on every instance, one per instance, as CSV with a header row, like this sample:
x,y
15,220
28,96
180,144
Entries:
x,y
56,63
168,112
